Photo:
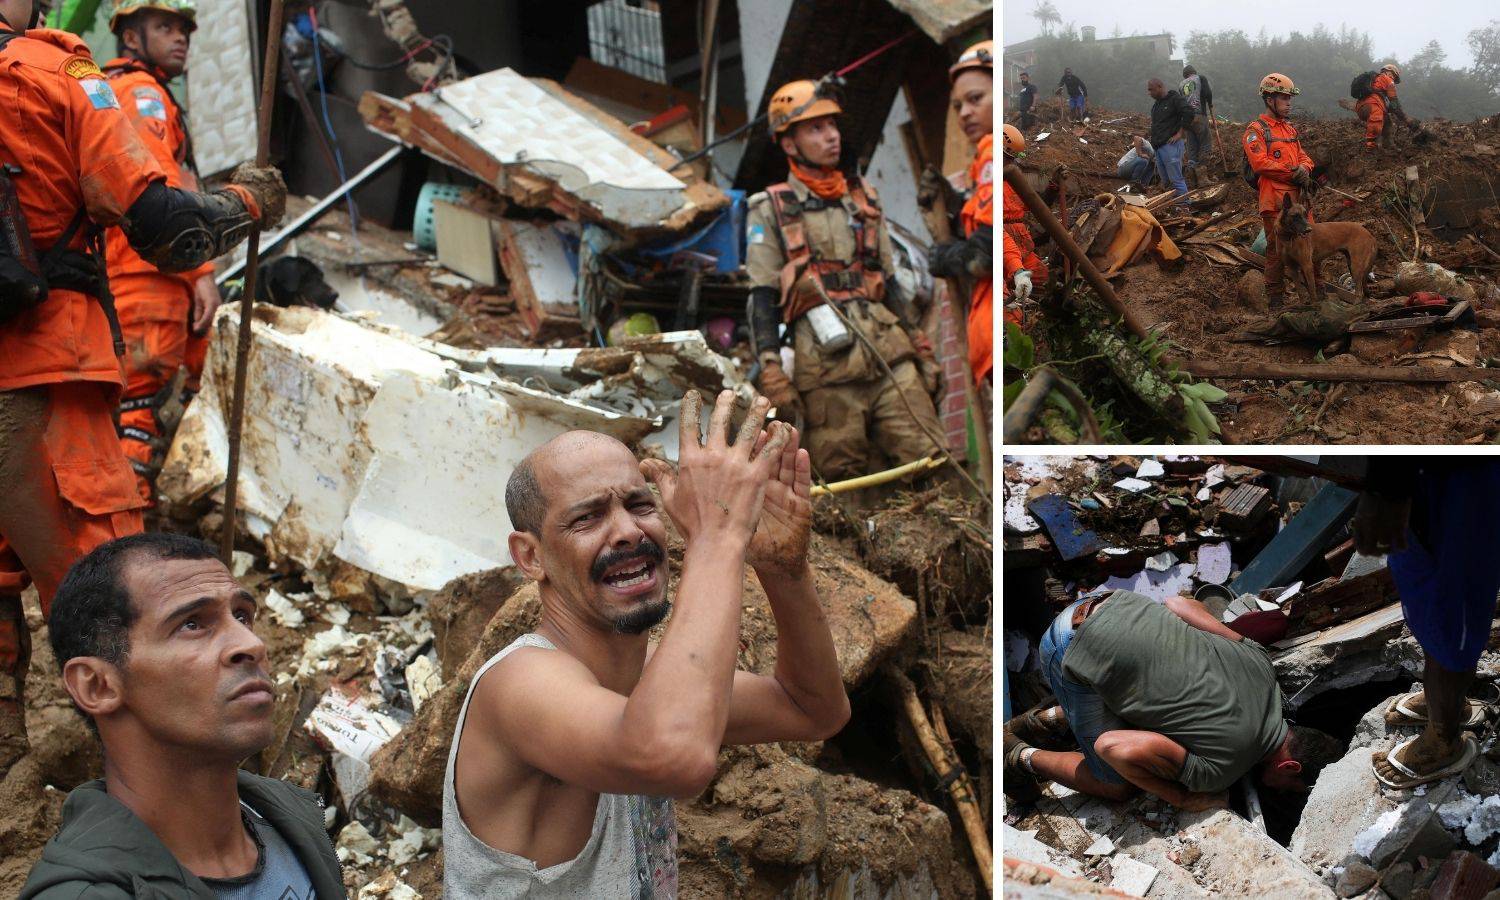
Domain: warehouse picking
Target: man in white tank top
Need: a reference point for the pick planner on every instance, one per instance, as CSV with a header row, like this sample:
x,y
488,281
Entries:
x,y
573,740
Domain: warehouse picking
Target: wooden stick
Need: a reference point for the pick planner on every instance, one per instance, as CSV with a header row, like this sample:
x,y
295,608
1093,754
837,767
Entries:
x,y
1064,241
268,81
950,772
1203,368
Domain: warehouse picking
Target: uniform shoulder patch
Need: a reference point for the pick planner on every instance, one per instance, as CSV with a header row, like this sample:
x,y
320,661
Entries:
x,y
81,67
149,103
100,94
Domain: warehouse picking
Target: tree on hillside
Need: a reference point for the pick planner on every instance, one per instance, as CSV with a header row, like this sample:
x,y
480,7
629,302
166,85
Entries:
x,y
1425,62
1484,43
1046,15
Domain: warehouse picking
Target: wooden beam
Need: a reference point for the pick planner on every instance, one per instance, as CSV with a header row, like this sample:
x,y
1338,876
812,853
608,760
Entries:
x,y
1250,371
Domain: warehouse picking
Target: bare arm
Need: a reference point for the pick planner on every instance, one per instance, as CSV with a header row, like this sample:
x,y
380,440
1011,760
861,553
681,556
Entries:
x,y
804,700
664,738
1193,613
1152,762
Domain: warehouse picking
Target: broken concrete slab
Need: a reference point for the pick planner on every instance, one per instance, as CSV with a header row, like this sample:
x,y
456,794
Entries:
x,y
1372,647
1233,857
390,453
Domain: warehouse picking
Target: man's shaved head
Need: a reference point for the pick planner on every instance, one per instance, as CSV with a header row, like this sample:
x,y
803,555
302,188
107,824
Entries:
x,y
588,529
525,502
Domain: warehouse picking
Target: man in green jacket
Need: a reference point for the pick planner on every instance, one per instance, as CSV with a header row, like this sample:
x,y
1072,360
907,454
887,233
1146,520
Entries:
x,y
155,641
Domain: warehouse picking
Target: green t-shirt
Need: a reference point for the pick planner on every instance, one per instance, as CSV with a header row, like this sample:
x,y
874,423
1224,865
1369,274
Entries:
x,y
1216,697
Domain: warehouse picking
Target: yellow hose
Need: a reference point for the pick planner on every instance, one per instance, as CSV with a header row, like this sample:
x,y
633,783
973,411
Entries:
x,y
864,481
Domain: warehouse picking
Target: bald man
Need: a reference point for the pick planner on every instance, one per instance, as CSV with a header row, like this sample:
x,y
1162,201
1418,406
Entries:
x,y
574,739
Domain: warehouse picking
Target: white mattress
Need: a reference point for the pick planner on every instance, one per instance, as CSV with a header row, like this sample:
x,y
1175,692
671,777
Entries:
x,y
221,86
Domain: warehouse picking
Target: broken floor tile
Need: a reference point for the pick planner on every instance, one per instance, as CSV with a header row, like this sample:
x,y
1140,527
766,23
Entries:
x,y
1131,876
1214,563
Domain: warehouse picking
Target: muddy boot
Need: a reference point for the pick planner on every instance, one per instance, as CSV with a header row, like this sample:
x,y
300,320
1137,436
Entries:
x,y
15,657
1019,782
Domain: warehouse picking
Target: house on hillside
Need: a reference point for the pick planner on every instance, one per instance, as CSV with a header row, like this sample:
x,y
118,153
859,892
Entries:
x,y
1022,56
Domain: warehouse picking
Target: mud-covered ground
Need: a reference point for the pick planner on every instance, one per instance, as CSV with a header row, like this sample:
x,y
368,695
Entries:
x,y
1204,304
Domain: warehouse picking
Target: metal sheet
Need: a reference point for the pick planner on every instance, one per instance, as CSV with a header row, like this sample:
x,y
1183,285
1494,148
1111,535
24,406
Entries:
x,y
221,86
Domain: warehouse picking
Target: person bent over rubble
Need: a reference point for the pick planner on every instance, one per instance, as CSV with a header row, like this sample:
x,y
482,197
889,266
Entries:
x,y
1164,698
819,258
1435,519
573,740
156,645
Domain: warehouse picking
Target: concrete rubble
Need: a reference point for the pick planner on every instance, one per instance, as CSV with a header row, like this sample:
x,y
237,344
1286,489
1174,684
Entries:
x,y
1342,649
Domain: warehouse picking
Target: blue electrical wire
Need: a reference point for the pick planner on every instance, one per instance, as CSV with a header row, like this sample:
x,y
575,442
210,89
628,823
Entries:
x,y
338,156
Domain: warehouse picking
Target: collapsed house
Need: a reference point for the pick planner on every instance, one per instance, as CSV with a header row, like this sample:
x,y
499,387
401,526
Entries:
x,y
497,242
1243,535
1403,358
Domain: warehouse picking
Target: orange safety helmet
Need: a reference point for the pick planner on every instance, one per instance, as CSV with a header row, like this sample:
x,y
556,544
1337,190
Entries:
x,y
1277,83
187,9
978,56
1012,141
1391,67
798,101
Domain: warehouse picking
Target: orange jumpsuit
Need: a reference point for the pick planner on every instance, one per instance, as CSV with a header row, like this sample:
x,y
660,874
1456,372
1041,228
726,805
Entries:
x,y
154,307
1274,152
1015,225
68,487
979,212
1371,110
1012,260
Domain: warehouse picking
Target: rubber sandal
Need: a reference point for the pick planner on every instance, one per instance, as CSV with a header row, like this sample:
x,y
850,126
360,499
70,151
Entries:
x,y
1412,779
1400,712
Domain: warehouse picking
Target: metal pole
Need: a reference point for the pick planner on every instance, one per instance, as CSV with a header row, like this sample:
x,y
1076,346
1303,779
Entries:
x,y
314,212
247,302
708,85
1064,241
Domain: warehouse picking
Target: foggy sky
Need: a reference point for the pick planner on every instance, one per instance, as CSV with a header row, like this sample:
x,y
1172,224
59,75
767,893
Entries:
x,y
1395,28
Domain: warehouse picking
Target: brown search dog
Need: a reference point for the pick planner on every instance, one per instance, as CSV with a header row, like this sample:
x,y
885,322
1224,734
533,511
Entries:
x,y
1304,244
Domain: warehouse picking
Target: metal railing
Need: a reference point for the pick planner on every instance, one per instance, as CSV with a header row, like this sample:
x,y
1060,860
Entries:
x,y
627,38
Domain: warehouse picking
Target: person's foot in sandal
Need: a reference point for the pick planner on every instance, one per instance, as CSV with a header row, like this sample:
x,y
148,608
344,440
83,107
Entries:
x,y
1044,728
1411,709
1018,782
1422,759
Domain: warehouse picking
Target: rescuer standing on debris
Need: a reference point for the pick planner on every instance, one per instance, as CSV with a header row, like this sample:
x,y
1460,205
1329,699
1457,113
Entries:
x,y
1277,166
1385,87
1020,279
972,259
164,317
818,251
72,164
1171,120
1025,100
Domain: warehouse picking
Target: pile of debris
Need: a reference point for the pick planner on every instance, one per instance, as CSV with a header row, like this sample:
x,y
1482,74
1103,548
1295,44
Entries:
x,y
1248,535
1387,369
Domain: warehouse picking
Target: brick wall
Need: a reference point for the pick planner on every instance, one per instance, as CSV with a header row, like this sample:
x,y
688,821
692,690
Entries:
x,y
952,412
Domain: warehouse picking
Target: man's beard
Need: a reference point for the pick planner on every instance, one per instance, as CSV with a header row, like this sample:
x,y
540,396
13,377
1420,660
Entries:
x,y
642,618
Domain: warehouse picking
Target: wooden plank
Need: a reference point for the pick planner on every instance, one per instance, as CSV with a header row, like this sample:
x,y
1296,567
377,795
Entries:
x,y
1251,371
1299,542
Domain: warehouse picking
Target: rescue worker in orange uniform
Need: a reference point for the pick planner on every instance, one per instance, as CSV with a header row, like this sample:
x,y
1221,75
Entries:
x,y
972,78
76,166
1034,270
820,261
1011,264
1280,165
162,315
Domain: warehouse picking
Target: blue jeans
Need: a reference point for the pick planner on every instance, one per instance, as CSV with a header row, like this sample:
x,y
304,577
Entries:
x,y
1138,173
1198,141
1075,104
1169,167
1086,712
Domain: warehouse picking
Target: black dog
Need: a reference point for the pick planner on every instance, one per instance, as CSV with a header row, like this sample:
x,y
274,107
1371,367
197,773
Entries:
x,y
294,281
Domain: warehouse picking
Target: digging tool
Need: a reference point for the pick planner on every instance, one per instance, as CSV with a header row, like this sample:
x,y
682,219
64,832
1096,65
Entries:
x,y
1219,143
252,265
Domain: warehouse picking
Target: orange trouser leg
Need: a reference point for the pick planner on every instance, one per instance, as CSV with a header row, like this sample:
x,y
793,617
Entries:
x,y
1372,111
1273,255
66,486
154,350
